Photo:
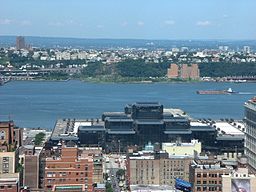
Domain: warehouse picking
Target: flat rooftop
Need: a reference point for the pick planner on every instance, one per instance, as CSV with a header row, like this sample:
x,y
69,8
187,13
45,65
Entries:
x,y
191,144
176,112
69,127
228,128
147,104
154,188
251,103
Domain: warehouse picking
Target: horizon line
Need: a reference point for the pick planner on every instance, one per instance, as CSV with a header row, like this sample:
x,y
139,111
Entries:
x,y
146,39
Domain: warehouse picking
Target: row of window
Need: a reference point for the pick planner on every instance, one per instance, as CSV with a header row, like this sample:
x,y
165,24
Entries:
x,y
71,166
63,174
2,187
64,180
208,189
215,175
209,182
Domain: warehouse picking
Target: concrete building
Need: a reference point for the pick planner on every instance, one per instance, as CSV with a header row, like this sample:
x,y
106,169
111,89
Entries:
x,y
250,133
8,162
206,175
182,148
31,162
239,179
68,169
9,180
156,168
20,42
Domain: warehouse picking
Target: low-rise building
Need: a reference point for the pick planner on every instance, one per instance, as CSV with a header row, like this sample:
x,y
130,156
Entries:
x,y
157,168
182,148
10,182
206,175
239,179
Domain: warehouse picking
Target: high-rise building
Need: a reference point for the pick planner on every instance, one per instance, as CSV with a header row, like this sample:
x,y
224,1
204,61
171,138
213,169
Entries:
x,y
247,49
250,133
189,72
173,71
31,167
20,42
183,71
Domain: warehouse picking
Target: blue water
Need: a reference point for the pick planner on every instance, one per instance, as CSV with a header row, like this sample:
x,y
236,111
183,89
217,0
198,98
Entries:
x,y
39,104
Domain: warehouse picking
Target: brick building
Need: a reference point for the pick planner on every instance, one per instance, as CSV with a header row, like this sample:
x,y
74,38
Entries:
x,y
31,161
183,71
9,135
9,182
68,170
173,71
206,175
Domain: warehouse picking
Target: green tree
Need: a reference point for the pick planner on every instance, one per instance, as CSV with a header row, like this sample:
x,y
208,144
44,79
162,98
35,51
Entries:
x,y
39,138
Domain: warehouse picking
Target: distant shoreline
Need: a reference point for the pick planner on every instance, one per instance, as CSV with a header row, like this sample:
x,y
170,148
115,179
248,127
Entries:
x,y
97,80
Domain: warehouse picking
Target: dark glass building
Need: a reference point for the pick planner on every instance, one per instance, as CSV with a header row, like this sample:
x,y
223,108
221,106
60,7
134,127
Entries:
x,y
139,124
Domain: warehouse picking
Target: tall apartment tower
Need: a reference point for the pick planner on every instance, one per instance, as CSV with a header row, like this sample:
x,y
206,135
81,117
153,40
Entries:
x,y
250,134
20,42
183,71
173,71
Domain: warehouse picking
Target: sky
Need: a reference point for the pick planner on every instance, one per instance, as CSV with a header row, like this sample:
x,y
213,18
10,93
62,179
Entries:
x,y
130,19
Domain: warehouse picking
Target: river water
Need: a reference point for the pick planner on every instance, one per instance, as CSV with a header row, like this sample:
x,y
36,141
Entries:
x,y
40,103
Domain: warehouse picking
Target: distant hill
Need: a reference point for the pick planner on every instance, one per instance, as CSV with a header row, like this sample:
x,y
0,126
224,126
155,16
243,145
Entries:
x,y
51,42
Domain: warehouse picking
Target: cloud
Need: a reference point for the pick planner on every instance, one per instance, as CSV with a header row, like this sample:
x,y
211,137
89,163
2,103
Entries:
x,y
25,23
55,24
225,16
203,23
140,23
5,21
124,24
69,22
100,26
169,22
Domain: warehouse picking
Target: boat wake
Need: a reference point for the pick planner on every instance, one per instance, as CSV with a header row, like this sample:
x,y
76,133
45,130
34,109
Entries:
x,y
247,93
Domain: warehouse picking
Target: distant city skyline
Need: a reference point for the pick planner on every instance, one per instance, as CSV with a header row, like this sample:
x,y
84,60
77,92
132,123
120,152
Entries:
x,y
144,19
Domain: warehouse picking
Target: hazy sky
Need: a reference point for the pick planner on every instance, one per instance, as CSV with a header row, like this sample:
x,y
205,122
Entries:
x,y
145,19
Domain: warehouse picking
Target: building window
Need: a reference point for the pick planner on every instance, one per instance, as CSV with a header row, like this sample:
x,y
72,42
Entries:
x,y
2,135
5,159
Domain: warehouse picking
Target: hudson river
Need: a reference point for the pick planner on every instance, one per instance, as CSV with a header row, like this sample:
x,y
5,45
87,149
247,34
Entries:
x,y
39,104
